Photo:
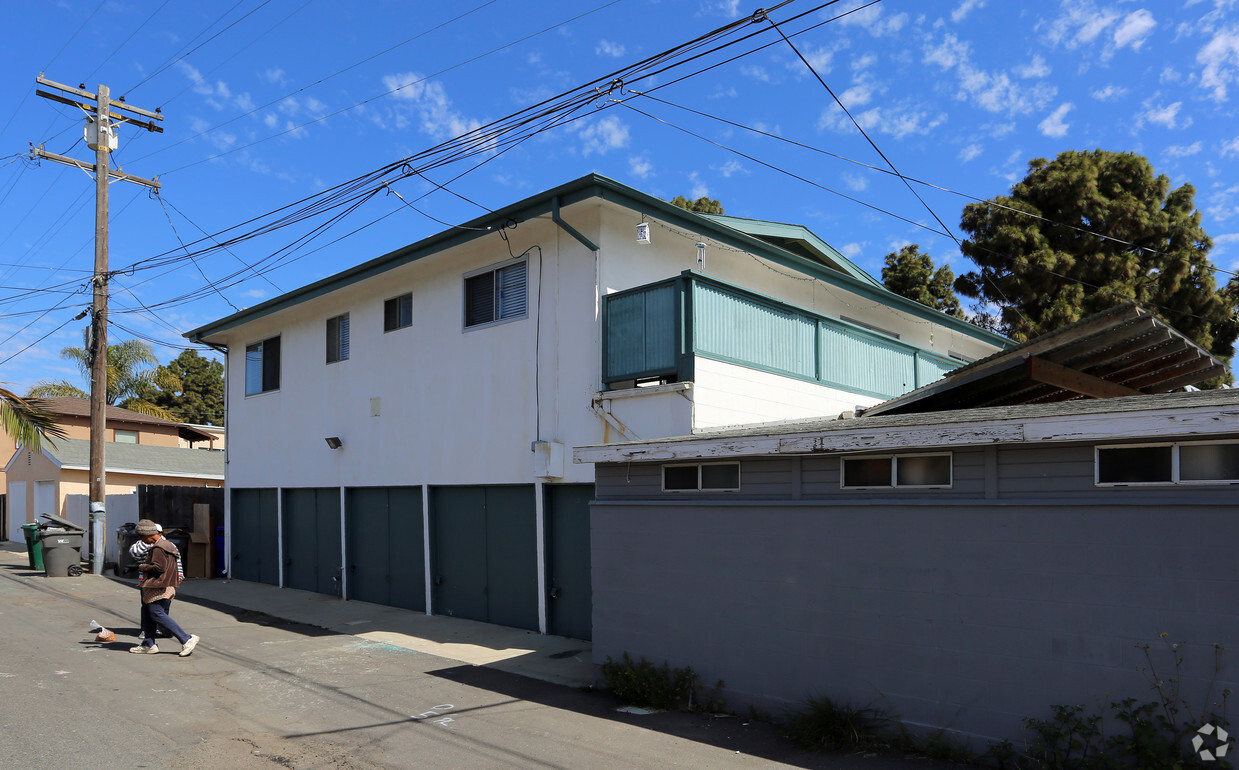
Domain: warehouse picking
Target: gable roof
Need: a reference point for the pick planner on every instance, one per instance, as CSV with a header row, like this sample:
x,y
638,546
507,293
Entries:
x,y
1200,414
72,406
74,454
826,265
1123,351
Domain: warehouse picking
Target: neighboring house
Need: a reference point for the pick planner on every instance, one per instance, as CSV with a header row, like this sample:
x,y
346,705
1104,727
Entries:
x,y
38,494
398,432
215,440
960,569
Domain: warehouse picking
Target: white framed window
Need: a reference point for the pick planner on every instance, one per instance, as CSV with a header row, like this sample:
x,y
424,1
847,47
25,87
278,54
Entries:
x,y
262,366
1197,462
337,339
496,294
911,471
398,312
125,436
702,477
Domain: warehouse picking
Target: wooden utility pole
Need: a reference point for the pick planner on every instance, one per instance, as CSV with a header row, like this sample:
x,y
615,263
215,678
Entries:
x,y
100,136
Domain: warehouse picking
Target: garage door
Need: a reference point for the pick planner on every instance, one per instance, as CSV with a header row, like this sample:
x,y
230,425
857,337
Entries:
x,y
384,546
569,603
484,554
312,540
254,536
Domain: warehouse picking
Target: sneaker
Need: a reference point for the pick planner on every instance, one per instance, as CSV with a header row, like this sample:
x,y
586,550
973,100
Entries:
x,y
189,646
144,648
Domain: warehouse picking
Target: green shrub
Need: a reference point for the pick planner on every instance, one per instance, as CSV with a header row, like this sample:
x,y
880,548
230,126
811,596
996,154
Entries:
x,y
828,726
659,687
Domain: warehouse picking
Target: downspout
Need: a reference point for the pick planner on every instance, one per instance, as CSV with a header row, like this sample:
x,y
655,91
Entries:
x,y
223,349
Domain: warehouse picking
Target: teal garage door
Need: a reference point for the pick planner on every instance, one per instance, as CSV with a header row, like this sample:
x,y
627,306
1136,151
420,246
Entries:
x,y
312,540
569,590
384,546
254,536
484,554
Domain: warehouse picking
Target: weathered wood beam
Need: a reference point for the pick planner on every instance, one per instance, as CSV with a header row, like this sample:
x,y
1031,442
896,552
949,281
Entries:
x,y
1075,381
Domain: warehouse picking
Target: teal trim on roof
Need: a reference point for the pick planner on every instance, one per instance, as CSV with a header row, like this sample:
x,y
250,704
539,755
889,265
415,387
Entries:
x,y
843,274
798,237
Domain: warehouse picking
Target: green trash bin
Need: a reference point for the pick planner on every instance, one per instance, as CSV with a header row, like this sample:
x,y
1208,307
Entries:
x,y
34,548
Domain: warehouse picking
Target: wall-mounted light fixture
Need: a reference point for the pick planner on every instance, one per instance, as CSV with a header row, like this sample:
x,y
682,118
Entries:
x,y
643,233
701,256
334,442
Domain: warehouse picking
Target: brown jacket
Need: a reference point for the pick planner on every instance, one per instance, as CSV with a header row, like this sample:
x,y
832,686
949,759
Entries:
x,y
161,572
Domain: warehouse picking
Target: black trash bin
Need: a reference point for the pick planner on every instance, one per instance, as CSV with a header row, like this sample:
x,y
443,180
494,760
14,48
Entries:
x,y
62,552
180,539
126,567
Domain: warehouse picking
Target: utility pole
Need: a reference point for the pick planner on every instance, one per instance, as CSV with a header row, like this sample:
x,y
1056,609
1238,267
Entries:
x,y
100,136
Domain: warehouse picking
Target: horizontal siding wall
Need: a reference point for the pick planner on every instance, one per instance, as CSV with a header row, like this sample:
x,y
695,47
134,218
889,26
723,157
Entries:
x,y
968,617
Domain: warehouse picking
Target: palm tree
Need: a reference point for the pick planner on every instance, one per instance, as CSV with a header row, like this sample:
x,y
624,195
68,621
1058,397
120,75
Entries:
x,y
128,381
28,420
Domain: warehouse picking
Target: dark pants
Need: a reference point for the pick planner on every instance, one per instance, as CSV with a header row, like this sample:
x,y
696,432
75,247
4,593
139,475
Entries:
x,y
156,612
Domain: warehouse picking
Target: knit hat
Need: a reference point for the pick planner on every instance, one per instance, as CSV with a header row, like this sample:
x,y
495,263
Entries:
x,y
146,527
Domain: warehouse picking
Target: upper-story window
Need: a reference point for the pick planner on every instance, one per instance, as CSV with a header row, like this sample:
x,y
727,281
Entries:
x,y
398,312
1195,463
337,339
125,436
262,366
498,294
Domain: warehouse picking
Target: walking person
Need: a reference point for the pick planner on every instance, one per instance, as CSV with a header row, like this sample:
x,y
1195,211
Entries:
x,y
160,578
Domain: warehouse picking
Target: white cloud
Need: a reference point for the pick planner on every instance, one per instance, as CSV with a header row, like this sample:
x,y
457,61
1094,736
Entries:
x,y
851,250
898,120
730,168
641,166
428,100
728,8
1053,125
1222,203
1184,151
1219,57
699,187
602,136
1166,116
970,152
856,182
1133,30
1037,68
819,59
1081,24
873,19
991,91
275,77
1109,93
965,8
1231,147
755,72
607,48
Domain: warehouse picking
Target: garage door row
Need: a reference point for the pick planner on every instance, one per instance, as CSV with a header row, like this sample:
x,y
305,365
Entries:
x,y
483,549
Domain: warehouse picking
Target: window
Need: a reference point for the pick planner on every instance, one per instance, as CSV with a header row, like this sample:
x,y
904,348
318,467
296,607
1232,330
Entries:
x,y
711,477
924,471
1198,463
398,312
262,366
125,436
495,295
337,339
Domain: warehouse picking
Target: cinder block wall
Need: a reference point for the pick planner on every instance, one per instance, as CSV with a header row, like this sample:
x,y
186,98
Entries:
x,y
969,615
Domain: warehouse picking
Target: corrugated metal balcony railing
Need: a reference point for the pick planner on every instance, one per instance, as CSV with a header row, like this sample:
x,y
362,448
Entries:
x,y
653,332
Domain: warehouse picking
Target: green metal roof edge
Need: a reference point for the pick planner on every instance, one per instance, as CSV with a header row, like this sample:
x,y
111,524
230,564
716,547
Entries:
x,y
584,188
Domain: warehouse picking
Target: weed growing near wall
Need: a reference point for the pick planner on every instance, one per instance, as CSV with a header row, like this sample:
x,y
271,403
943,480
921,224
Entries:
x,y
660,687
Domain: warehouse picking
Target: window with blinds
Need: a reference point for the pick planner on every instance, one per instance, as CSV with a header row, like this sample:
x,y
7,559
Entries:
x,y
496,295
262,366
337,339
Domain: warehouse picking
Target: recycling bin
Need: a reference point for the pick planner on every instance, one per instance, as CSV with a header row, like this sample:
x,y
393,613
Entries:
x,y
34,549
62,552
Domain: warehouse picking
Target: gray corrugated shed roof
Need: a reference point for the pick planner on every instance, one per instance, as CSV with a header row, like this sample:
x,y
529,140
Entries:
x,y
137,458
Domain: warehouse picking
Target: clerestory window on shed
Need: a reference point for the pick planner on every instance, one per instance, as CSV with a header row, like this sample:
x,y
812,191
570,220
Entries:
x,y
702,477
1188,463
912,470
262,366
337,339
497,294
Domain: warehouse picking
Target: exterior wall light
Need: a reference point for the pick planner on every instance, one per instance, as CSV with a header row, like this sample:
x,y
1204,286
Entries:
x,y
334,442
643,233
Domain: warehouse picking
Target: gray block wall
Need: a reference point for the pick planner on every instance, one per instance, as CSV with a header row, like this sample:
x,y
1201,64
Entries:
x,y
952,609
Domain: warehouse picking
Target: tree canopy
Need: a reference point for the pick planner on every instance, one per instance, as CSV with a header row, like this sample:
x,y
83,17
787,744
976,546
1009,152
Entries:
x,y
199,395
27,420
702,205
1091,230
911,274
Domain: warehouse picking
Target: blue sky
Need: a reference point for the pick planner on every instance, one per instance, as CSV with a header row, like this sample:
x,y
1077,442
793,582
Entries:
x,y
268,103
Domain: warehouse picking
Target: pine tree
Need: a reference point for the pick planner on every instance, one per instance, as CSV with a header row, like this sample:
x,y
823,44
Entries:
x,y
911,274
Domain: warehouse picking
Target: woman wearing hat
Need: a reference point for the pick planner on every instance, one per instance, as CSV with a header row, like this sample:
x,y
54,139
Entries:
x,y
160,578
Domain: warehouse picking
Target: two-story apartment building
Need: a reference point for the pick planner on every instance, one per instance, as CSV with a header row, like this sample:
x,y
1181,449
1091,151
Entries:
x,y
400,432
